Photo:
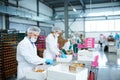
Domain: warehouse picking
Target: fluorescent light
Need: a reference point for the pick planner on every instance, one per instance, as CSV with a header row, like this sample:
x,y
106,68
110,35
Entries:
x,y
74,10
81,16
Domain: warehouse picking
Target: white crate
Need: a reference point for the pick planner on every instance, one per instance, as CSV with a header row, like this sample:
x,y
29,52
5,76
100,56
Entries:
x,y
32,75
61,72
118,52
85,55
112,49
68,59
111,43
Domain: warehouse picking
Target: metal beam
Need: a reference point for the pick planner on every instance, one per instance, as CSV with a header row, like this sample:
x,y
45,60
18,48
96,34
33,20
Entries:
x,y
66,18
54,14
46,3
56,1
84,27
59,1
7,22
17,3
37,11
82,3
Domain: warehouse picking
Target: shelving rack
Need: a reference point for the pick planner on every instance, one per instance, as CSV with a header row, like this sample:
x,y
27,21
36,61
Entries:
x,y
8,63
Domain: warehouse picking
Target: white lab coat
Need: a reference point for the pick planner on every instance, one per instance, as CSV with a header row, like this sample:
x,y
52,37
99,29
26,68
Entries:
x,y
27,57
51,47
67,46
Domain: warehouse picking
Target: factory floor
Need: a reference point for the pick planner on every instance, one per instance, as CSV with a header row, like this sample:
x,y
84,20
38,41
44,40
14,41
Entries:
x,y
109,66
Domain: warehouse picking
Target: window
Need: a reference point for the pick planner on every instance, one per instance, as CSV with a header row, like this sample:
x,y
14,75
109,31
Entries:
x,y
102,25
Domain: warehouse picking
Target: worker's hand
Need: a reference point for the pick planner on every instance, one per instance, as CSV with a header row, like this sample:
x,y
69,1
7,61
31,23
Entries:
x,y
63,55
60,52
49,61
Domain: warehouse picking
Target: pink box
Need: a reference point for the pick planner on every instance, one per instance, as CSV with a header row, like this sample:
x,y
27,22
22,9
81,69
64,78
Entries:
x,y
81,45
89,42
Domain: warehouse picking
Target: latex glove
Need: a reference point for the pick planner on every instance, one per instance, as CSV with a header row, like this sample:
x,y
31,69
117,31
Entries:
x,y
49,61
70,47
63,55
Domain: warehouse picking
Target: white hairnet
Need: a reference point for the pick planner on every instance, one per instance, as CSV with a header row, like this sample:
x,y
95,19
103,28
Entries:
x,y
33,29
72,39
56,29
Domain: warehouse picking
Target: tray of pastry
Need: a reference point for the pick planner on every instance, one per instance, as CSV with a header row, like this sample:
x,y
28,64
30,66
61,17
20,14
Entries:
x,y
41,68
76,66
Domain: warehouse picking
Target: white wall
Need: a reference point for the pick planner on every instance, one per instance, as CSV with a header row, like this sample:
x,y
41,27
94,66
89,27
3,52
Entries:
x,y
75,26
60,24
19,20
20,24
45,9
32,5
19,27
12,1
46,25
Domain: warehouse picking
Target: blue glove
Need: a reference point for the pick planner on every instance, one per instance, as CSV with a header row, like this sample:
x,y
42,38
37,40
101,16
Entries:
x,y
49,61
63,55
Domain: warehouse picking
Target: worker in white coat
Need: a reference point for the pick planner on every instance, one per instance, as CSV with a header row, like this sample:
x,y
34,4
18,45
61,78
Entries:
x,y
27,53
69,44
52,49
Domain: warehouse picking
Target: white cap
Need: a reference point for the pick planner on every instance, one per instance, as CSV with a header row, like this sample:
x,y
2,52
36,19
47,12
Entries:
x,y
56,29
33,29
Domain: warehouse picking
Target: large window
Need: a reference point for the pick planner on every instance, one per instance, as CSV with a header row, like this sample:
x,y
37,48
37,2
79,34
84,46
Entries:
x,y
102,25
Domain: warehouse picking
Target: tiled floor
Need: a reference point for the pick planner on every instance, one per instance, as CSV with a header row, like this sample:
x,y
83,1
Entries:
x,y
109,67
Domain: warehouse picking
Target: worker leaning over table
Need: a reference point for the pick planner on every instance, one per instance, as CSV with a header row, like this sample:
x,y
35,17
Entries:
x,y
52,48
27,53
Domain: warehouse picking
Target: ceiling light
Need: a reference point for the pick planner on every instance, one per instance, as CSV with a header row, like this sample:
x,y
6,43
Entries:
x,y
74,10
73,7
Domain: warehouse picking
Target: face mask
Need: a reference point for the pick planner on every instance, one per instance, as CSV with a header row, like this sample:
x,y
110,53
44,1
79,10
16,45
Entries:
x,y
33,40
56,35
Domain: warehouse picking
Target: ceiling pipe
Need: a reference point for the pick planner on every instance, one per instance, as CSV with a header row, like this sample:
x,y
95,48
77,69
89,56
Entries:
x,y
17,3
82,3
73,7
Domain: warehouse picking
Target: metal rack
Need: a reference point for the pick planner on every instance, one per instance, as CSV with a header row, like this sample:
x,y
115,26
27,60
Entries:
x,y
8,63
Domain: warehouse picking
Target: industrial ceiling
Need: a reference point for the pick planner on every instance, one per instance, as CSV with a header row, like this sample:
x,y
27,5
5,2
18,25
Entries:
x,y
83,3
60,3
